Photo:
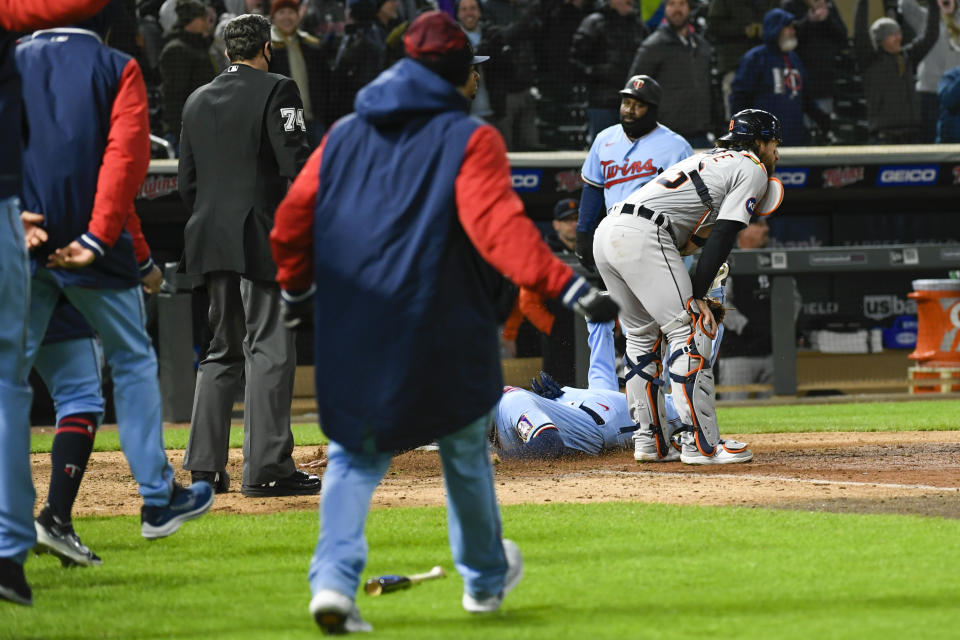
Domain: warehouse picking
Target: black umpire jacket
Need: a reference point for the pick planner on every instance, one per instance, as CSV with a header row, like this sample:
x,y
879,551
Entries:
x,y
243,137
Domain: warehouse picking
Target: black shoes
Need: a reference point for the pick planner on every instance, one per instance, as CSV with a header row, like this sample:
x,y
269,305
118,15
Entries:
x,y
13,584
297,483
219,480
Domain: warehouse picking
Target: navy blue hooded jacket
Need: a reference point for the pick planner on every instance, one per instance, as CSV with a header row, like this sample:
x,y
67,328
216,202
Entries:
x,y
409,192
772,80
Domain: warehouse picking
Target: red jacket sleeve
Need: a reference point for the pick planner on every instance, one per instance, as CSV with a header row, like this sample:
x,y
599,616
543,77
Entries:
x,y
140,247
292,236
125,162
26,15
533,309
493,217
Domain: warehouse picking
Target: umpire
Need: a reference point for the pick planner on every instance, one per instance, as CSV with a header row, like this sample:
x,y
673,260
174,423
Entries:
x,y
243,137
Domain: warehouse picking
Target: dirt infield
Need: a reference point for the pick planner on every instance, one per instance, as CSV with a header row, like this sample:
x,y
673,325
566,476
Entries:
x,y
907,473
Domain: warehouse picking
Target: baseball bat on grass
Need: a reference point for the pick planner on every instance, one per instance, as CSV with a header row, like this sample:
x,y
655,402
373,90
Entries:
x,y
390,583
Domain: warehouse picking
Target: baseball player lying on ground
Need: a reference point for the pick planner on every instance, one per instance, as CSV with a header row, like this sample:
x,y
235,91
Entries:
x,y
553,421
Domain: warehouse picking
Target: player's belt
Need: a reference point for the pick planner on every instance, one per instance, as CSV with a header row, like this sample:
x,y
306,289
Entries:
x,y
641,211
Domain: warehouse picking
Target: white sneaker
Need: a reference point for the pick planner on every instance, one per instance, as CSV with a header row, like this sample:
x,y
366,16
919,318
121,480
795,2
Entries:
x,y
335,613
645,448
726,452
514,573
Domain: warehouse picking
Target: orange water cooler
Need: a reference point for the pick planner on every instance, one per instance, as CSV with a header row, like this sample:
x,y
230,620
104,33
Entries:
x,y
938,337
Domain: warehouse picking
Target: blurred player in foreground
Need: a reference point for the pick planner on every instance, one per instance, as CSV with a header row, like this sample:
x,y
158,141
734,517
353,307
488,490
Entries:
x,y
396,220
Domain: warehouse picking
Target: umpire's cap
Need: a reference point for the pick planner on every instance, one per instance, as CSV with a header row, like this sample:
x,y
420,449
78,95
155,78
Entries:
x,y
753,124
643,88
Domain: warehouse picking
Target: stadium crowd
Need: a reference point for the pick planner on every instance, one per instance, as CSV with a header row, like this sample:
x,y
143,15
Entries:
x,y
556,64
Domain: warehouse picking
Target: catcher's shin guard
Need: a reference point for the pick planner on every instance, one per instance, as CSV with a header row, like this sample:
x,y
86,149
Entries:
x,y
645,395
693,388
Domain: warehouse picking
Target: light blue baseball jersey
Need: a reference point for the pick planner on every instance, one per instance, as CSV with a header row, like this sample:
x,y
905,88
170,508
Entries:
x,y
619,166
521,414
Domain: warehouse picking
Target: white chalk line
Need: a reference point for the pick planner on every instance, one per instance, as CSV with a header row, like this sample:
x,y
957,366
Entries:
x,y
769,478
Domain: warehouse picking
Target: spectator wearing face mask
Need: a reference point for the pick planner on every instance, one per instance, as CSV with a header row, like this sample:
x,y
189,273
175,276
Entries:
x,y
772,77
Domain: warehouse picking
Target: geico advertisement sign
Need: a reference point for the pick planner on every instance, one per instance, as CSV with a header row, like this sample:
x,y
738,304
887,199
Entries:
x,y
792,177
527,180
911,176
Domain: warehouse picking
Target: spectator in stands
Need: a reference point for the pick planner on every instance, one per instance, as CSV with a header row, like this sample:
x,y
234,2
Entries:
x,y
734,27
469,15
821,36
559,20
185,63
301,56
679,59
948,125
771,77
888,67
553,320
944,55
323,17
602,50
510,104
362,53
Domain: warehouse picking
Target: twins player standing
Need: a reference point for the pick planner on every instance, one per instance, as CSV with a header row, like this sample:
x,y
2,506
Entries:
x,y
16,488
78,90
624,157
703,201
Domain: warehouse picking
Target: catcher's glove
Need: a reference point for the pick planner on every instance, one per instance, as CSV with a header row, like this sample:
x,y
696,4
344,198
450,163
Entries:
x,y
546,386
716,308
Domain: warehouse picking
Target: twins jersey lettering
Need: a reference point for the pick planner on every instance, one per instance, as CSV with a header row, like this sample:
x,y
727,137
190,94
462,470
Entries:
x,y
619,166
736,181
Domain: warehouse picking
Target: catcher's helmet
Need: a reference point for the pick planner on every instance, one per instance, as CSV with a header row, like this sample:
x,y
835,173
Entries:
x,y
644,89
753,124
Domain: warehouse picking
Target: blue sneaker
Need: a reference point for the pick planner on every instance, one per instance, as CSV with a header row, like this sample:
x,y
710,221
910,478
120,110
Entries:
x,y
186,503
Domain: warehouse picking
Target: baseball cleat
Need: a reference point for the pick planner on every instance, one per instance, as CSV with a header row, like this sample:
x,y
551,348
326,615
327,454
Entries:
x,y
645,448
186,503
59,539
13,583
514,573
337,614
726,452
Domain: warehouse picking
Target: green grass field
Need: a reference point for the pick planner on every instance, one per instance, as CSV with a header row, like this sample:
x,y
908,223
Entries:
x,y
611,570
934,415
614,571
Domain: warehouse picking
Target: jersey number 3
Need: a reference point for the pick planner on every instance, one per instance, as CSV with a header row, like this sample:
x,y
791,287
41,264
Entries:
x,y
292,119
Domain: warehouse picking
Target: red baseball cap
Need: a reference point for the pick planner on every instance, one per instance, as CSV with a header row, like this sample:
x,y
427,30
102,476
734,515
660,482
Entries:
x,y
434,36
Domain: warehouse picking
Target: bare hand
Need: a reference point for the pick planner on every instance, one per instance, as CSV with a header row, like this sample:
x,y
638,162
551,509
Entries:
x,y
709,324
32,231
153,281
72,256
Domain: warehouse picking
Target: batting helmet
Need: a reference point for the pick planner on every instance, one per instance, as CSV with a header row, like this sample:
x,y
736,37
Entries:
x,y
753,124
643,88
